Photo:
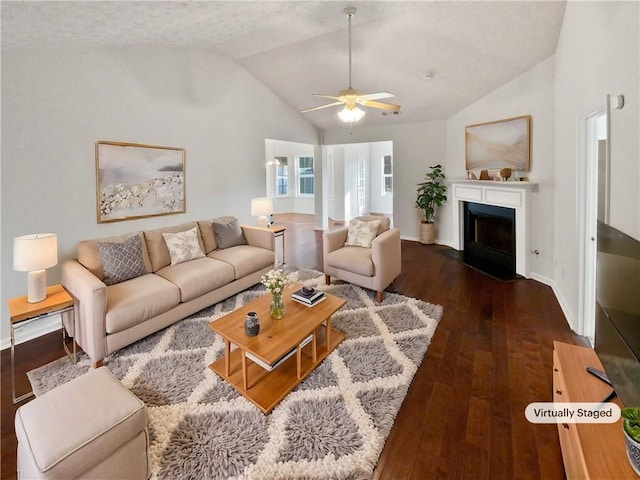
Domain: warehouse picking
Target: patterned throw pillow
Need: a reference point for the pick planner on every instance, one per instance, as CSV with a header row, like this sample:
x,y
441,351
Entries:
x,y
228,232
121,261
183,246
361,234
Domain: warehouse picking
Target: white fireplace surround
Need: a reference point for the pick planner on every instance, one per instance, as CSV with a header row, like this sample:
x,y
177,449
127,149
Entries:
x,y
514,195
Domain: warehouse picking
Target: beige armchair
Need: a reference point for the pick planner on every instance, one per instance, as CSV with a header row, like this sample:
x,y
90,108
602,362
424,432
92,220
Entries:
x,y
373,268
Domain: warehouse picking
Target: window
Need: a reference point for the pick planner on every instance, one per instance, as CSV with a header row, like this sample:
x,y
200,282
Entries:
x,y
282,177
305,175
387,176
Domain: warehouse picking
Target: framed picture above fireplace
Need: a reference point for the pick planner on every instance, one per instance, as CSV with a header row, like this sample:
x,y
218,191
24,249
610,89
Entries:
x,y
499,144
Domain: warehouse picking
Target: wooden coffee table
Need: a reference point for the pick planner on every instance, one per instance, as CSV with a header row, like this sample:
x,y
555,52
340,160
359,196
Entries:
x,y
276,339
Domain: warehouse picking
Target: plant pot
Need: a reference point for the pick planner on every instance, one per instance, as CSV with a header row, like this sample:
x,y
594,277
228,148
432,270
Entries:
x,y
428,233
633,451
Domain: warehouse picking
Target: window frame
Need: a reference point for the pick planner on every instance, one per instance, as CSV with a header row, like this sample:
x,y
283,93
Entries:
x,y
300,176
385,176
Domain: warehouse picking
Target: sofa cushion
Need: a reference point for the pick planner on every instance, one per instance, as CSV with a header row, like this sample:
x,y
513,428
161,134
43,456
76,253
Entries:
x,y
183,246
228,232
245,259
385,222
89,254
361,234
134,301
206,233
121,261
157,247
197,277
352,259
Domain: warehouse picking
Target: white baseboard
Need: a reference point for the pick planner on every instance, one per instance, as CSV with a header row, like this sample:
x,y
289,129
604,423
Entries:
x,y
34,330
561,301
408,237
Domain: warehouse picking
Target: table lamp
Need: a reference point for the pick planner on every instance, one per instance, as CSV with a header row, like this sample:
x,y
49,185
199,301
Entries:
x,y
261,208
33,254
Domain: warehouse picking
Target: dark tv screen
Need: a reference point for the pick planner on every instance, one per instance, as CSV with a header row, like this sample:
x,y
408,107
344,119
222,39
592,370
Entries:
x,y
617,336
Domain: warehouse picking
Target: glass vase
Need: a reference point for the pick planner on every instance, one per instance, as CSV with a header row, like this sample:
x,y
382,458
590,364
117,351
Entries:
x,y
277,306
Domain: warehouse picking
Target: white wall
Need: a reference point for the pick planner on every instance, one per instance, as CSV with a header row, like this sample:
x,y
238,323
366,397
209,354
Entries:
x,y
529,94
57,103
378,202
597,54
415,147
335,183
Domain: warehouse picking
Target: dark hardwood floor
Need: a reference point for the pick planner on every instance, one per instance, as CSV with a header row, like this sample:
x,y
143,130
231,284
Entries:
x,y
463,416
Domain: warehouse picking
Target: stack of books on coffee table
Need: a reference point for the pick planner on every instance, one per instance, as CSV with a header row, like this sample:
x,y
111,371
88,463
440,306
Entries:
x,y
308,296
280,361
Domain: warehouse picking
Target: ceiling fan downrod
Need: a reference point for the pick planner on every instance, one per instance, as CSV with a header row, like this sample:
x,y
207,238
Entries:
x,y
350,12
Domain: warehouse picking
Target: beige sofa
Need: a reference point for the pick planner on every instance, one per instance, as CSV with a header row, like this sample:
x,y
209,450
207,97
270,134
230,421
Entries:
x,y
110,317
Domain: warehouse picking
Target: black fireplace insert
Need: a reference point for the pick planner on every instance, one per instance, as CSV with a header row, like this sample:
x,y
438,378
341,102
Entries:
x,y
490,239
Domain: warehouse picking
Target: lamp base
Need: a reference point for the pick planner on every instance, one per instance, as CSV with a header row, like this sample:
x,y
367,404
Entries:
x,y
262,221
36,286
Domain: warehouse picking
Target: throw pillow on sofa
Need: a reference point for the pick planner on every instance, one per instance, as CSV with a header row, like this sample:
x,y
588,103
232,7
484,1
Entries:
x,y
228,232
183,246
121,261
361,234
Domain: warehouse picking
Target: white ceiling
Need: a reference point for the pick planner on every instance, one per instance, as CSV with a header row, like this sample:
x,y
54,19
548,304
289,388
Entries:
x,y
297,48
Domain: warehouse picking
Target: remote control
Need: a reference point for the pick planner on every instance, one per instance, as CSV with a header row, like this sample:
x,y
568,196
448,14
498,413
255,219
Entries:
x,y
600,374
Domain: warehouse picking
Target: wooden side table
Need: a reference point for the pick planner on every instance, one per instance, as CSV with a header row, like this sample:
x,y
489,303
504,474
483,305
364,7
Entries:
x,y
22,313
278,232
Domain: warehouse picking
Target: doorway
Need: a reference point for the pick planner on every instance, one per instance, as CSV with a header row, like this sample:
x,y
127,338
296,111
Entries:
x,y
593,206
359,180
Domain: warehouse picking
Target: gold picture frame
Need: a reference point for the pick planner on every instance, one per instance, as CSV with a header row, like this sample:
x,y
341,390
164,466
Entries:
x,y
138,181
499,144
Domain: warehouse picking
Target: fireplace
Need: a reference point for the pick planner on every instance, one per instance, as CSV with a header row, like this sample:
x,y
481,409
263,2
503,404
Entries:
x,y
490,239
514,196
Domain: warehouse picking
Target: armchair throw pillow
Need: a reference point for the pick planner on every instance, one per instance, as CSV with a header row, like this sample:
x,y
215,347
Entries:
x,y
183,246
121,261
228,232
361,234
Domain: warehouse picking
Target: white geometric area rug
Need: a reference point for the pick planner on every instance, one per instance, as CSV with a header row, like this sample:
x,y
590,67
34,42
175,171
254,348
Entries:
x,y
333,425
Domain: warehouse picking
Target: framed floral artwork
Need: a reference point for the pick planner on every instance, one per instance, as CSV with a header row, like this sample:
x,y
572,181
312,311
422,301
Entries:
x,y
138,181
499,144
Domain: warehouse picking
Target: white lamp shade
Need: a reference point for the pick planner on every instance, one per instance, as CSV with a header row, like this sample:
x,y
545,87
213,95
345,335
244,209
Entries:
x,y
35,252
261,207
351,114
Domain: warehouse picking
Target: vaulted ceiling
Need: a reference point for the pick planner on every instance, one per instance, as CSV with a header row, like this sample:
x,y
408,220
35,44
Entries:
x,y
297,48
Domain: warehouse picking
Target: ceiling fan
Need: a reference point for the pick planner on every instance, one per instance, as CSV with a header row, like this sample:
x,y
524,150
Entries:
x,y
351,97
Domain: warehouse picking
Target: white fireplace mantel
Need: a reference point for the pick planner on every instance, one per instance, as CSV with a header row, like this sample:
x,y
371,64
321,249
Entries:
x,y
514,195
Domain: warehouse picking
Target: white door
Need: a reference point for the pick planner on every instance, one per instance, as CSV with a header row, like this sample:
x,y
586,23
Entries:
x,y
593,206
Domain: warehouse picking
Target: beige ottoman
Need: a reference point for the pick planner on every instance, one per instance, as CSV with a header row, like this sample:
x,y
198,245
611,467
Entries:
x,y
90,427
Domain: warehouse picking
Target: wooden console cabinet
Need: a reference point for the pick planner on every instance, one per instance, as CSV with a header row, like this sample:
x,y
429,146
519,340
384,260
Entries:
x,y
589,450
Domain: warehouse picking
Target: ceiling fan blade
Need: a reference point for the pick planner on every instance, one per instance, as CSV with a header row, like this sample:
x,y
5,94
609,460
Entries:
x,y
383,106
376,96
321,106
326,96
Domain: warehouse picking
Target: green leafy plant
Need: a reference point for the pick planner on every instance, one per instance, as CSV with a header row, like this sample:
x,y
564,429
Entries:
x,y
431,193
631,422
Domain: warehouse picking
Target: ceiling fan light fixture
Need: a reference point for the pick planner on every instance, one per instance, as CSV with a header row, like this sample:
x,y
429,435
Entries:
x,y
350,97
351,114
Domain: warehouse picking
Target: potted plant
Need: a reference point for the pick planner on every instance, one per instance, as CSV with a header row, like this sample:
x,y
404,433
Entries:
x,y
431,194
631,428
